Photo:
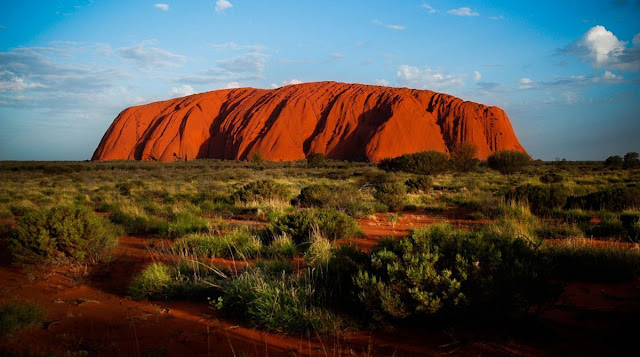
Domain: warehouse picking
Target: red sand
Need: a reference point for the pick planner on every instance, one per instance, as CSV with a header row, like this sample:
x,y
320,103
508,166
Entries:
x,y
94,314
342,121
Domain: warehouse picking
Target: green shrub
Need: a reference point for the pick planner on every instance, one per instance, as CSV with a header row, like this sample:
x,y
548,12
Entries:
x,y
439,269
316,160
319,253
551,177
344,198
464,156
62,235
419,184
542,200
612,199
572,215
256,158
155,282
421,163
260,191
16,316
508,162
391,194
631,160
301,225
613,161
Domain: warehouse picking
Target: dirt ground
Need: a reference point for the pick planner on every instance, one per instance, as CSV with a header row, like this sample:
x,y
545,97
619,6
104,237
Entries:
x,y
88,312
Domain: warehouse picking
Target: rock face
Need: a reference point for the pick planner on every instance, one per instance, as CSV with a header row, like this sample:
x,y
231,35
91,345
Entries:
x,y
342,121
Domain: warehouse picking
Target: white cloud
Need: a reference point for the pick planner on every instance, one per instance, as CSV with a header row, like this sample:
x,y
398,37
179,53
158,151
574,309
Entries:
x,y
9,82
477,76
292,82
392,27
250,62
604,50
163,7
235,46
381,82
426,78
146,57
602,44
182,91
608,75
335,56
526,83
495,18
232,85
429,8
222,5
462,11
570,97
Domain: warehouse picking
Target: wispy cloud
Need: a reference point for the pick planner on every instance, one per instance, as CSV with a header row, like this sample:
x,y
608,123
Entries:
x,y
146,57
163,7
495,18
250,62
182,91
427,78
429,8
235,46
392,27
462,11
222,5
381,82
477,76
336,56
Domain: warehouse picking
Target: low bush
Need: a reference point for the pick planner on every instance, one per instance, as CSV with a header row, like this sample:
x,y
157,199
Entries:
x,y
16,316
316,160
542,200
301,225
391,194
344,198
421,163
612,199
62,235
439,269
551,177
261,191
419,184
572,215
464,156
613,161
508,162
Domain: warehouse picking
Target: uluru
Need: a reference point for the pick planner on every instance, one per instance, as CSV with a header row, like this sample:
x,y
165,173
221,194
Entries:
x,y
343,121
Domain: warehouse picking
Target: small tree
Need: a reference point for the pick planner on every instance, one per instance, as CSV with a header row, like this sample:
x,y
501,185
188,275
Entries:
x,y
316,159
464,156
613,161
631,160
256,158
508,162
421,163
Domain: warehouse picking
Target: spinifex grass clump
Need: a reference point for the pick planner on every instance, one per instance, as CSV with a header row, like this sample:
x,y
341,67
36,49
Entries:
x,y
62,235
301,224
16,316
237,244
344,197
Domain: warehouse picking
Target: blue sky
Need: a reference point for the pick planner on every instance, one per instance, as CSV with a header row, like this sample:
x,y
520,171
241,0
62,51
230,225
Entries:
x,y
566,72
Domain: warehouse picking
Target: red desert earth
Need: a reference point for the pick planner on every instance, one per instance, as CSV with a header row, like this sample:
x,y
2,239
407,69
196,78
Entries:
x,y
340,120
